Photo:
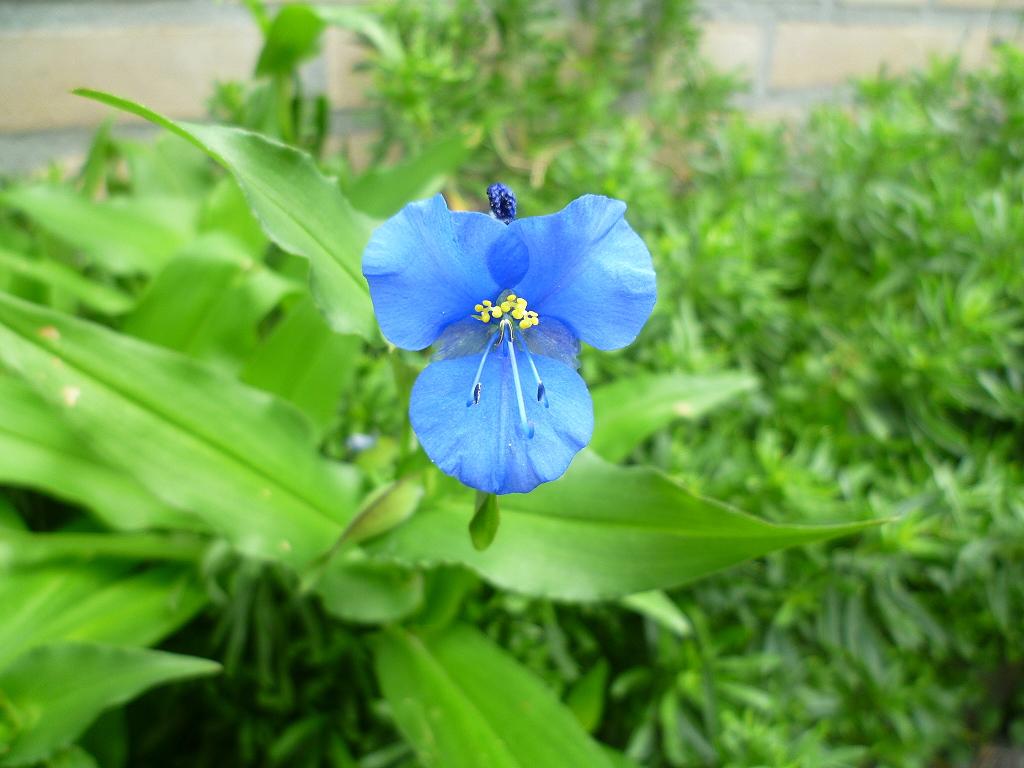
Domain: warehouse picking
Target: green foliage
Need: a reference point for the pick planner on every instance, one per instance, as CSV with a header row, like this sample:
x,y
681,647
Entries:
x,y
201,449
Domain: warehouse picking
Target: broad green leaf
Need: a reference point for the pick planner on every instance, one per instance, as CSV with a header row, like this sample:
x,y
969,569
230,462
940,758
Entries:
x,y
381,192
55,691
600,532
306,363
301,210
122,234
209,301
107,600
628,411
463,703
39,449
104,299
292,37
243,462
369,592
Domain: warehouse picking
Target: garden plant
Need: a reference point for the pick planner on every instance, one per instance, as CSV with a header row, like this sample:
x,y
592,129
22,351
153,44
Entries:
x,y
559,414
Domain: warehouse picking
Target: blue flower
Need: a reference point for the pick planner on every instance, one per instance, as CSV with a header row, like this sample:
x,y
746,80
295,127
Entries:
x,y
507,302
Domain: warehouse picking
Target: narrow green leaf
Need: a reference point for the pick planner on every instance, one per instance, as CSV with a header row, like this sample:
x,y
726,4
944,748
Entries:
x,y
614,530
628,411
102,601
367,24
246,464
39,449
55,691
463,703
300,210
660,608
22,548
122,234
486,517
105,299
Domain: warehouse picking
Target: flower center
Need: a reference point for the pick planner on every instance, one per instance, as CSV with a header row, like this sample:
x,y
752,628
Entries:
x,y
510,305
506,311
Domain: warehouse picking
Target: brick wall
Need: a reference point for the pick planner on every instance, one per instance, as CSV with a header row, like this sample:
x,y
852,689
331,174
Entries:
x,y
167,53
794,53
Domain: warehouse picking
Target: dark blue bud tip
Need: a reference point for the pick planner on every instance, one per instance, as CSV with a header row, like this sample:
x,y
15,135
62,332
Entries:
x,y
503,202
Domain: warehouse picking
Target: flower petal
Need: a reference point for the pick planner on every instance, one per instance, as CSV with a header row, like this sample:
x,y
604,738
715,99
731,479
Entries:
x,y
503,252
482,445
426,271
589,269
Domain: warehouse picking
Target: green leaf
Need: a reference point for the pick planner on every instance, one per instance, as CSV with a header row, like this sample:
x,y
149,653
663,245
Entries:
x,y
243,462
463,703
56,691
600,532
659,608
386,508
209,301
122,234
367,24
486,518
303,361
104,299
300,210
381,192
369,592
628,411
39,449
21,547
292,37
102,601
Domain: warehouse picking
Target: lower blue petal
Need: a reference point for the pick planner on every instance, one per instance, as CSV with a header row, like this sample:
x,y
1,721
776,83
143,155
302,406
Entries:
x,y
483,445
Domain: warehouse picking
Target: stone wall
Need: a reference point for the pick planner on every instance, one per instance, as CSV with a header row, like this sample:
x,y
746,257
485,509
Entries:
x,y
167,53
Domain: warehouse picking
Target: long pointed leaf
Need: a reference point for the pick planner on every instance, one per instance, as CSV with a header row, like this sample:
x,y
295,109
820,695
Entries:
x,y
463,703
300,210
55,691
600,532
239,459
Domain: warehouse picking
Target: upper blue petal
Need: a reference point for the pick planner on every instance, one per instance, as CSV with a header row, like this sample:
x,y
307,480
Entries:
x,y
482,445
427,268
589,269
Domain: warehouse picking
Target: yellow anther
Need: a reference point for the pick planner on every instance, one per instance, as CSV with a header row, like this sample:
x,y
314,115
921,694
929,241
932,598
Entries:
x,y
511,305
